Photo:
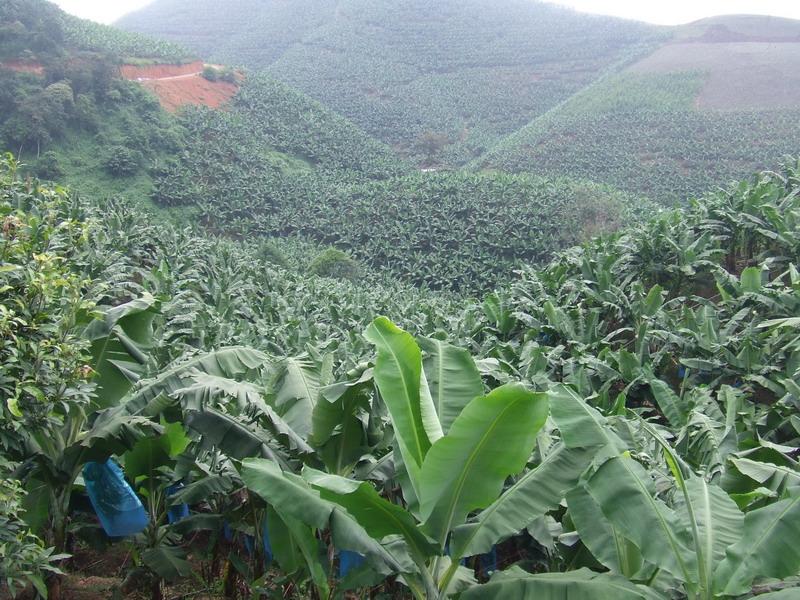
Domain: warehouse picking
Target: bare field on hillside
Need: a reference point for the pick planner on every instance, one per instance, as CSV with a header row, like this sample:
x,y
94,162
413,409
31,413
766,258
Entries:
x,y
741,75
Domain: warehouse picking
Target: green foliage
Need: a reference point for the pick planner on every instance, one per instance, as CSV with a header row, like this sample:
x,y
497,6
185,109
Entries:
x,y
643,134
472,71
24,560
122,161
336,264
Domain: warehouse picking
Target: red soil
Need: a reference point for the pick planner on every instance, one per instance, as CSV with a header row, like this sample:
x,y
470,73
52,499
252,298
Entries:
x,y
179,85
194,89
134,73
23,67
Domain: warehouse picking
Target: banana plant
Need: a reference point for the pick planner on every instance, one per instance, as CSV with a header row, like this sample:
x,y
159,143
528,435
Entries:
x,y
454,448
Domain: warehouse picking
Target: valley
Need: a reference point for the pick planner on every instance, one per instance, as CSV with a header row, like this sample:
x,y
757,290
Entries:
x,y
364,299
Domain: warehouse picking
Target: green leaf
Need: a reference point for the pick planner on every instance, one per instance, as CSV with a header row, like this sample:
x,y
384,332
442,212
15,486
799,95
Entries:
x,y
583,584
624,491
767,548
671,405
398,374
580,425
297,387
168,562
534,494
719,522
288,491
453,379
465,470
119,345
751,280
234,438
379,517
606,543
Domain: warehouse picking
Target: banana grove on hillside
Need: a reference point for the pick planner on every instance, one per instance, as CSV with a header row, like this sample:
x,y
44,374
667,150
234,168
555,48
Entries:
x,y
622,423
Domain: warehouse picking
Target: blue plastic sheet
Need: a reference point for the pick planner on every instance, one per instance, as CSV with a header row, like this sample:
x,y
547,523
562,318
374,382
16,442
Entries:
x,y
176,512
248,543
117,506
348,561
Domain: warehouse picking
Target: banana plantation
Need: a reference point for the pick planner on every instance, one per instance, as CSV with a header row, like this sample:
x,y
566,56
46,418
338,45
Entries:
x,y
619,424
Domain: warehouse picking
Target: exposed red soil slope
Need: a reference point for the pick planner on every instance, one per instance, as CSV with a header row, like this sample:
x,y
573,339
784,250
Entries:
x,y
23,67
135,73
192,89
179,85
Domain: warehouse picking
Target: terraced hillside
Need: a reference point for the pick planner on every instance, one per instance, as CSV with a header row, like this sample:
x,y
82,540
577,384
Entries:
x,y
441,81
719,101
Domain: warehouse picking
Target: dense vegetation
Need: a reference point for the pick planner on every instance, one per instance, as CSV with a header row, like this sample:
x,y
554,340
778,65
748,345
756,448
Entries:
x,y
642,133
283,167
39,30
441,81
665,357
285,363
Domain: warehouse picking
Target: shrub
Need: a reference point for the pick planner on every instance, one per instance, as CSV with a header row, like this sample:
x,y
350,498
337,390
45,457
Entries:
x,y
122,161
336,264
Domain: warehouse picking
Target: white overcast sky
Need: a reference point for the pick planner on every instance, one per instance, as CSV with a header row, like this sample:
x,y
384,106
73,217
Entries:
x,y
669,12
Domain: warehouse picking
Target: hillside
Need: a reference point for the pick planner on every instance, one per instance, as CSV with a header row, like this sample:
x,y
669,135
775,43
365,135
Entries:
x,y
663,360
720,100
76,105
439,81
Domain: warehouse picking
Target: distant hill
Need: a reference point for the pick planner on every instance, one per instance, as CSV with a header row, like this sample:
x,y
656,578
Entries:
x,y
441,81
718,101
73,106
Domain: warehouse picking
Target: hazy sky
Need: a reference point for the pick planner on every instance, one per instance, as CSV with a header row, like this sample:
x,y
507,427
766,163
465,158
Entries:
x,y
667,12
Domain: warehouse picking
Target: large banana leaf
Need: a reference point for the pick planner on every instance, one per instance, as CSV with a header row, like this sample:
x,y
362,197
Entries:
x,y
379,517
601,538
532,495
399,376
580,425
625,493
767,548
719,523
119,345
452,377
583,584
298,500
673,407
210,389
490,440
234,438
297,387
225,362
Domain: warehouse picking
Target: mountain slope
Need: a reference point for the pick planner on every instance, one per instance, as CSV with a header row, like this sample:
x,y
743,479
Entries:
x,y
719,101
442,81
68,111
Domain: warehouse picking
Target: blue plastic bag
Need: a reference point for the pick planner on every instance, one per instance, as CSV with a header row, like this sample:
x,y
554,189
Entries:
x,y
176,512
348,561
248,543
117,506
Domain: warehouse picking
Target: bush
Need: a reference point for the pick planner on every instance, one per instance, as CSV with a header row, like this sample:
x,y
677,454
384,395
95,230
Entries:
x,y
24,559
47,167
122,161
211,73
336,264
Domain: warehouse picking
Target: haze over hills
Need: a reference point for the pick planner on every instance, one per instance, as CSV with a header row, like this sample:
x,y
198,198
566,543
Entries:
x,y
524,86
720,99
452,73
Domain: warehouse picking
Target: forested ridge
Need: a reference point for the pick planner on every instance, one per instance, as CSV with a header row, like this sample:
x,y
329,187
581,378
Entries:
x,y
270,348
